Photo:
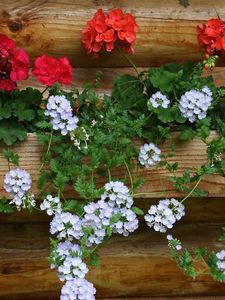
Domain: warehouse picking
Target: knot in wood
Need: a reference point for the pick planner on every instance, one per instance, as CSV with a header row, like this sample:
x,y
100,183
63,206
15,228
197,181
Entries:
x,y
15,25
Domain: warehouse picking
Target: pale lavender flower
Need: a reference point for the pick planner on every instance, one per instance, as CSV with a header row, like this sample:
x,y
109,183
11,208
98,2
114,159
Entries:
x,y
163,216
149,155
78,289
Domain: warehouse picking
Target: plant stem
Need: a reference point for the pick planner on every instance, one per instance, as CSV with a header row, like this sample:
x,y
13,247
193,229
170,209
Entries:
x,y
128,59
189,194
48,149
131,179
45,90
110,176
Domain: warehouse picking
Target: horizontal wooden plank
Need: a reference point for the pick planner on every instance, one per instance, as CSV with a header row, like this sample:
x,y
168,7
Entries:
x,y
166,31
188,154
83,75
204,210
137,266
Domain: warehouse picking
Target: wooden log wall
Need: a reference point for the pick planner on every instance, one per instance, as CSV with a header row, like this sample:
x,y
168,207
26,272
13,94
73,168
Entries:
x,y
166,29
137,267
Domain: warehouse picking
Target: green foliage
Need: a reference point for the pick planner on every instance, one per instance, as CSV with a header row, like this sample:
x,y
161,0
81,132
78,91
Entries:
x,y
18,112
5,207
13,158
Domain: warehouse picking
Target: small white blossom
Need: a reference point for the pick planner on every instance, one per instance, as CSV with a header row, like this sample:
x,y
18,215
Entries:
x,y
66,226
159,100
164,215
221,261
78,289
60,111
173,243
149,155
194,104
97,217
17,183
128,222
51,205
72,267
117,195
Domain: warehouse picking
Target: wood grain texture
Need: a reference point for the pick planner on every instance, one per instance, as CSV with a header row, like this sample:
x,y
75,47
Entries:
x,y
137,266
202,210
166,32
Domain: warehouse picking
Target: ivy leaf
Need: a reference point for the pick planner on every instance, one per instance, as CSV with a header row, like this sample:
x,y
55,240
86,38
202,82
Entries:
x,y
11,131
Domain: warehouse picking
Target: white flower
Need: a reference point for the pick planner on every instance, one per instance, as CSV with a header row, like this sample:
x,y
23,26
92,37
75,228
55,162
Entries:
x,y
164,215
17,183
173,243
159,100
51,205
194,104
117,195
221,261
128,222
149,155
66,226
60,111
78,289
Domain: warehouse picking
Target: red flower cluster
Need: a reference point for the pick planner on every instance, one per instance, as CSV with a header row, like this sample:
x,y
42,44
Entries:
x,y
211,35
115,28
50,70
14,64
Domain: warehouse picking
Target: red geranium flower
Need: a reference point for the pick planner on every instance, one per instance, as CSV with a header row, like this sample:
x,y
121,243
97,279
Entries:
x,y
116,28
50,70
14,64
211,35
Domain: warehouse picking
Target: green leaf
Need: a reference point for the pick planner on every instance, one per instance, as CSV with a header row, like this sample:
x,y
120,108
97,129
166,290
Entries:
x,y
137,211
5,207
115,218
11,156
163,80
11,131
186,134
94,259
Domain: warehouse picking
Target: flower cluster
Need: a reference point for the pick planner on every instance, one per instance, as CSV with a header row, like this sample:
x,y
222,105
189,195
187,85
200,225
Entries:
x,y
49,70
117,28
211,35
60,111
71,265
194,104
51,205
78,289
97,217
17,183
221,261
159,100
117,195
149,155
164,215
127,223
14,64
66,226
